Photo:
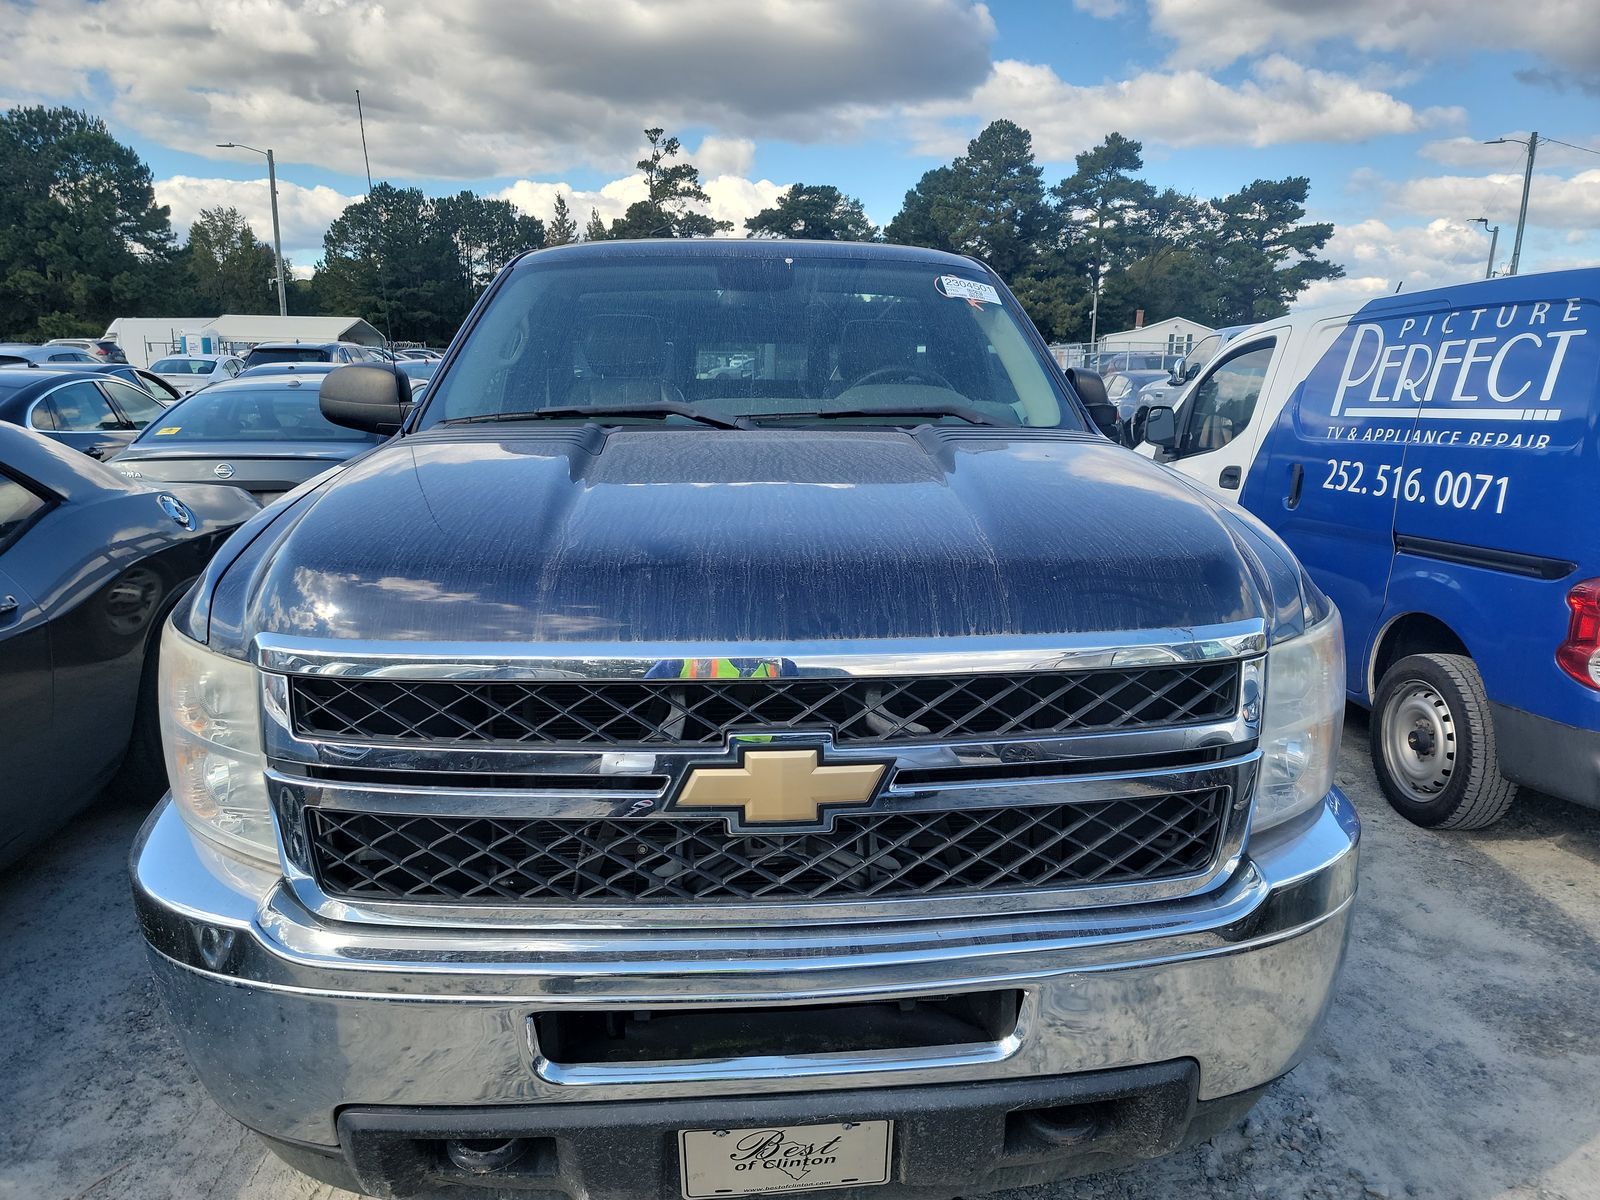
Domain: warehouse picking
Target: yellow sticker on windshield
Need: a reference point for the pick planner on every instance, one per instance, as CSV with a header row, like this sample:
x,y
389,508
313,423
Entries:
x,y
168,429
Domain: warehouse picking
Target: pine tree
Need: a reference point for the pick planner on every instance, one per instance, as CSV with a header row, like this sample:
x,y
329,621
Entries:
x,y
562,230
672,189
817,212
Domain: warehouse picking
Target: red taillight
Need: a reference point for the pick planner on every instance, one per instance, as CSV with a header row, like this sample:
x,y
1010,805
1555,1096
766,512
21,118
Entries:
x,y
1579,655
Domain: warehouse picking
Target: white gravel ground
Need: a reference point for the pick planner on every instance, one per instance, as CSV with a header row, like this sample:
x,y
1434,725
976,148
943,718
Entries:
x,y
1461,1060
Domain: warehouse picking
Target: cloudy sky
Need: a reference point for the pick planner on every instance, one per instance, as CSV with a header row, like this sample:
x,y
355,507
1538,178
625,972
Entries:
x,y
1383,103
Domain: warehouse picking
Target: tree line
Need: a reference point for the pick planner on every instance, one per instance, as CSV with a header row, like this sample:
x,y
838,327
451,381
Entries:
x,y
82,239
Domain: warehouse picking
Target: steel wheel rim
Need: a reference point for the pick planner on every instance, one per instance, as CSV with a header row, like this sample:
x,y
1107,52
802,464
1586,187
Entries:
x,y
1419,742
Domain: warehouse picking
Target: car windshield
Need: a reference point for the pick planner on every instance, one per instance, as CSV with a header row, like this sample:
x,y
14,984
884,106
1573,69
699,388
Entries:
x,y
765,338
183,366
250,414
284,354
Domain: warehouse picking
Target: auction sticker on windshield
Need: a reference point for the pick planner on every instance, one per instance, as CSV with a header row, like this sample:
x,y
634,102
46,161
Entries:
x,y
783,1158
969,290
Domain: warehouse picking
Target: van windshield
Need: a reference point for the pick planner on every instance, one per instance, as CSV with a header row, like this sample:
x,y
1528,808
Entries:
x,y
764,339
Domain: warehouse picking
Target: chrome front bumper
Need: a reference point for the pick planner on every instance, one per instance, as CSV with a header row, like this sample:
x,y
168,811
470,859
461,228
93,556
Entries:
x,y
288,1017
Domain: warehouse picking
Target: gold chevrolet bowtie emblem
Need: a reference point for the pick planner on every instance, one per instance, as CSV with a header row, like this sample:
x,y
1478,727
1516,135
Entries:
x,y
781,787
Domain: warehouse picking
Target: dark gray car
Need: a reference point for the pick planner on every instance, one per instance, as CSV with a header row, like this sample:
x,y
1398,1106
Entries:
x,y
264,434
89,565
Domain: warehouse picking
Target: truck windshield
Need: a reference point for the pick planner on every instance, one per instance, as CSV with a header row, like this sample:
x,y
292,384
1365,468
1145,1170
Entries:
x,y
767,339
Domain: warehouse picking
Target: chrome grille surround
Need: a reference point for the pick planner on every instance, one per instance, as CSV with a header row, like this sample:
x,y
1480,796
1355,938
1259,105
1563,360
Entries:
x,y
701,712
1089,770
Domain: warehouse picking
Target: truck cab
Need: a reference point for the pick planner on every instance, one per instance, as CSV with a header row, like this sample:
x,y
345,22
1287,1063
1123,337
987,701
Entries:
x,y
726,741
1427,456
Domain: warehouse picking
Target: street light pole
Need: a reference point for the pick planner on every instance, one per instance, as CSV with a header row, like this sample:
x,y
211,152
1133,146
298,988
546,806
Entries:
x,y
277,237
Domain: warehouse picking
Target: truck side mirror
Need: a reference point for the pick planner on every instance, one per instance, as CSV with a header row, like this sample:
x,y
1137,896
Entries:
x,y
1161,426
1176,375
1091,389
372,399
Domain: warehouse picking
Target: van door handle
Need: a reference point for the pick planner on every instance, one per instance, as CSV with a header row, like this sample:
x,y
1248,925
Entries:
x,y
1297,479
1229,478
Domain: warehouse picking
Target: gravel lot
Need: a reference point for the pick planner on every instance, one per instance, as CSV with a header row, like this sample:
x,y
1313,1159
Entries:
x,y
1461,1060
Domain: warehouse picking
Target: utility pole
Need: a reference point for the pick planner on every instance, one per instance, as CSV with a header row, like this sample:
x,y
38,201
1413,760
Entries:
x,y
277,238
1522,215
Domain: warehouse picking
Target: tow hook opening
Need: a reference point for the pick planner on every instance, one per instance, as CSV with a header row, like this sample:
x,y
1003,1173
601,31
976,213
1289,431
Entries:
x,y
485,1156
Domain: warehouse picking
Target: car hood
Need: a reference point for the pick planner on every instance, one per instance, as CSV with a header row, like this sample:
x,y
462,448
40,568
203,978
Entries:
x,y
538,534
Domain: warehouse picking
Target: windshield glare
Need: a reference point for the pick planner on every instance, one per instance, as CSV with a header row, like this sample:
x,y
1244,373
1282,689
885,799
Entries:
x,y
183,366
250,414
747,337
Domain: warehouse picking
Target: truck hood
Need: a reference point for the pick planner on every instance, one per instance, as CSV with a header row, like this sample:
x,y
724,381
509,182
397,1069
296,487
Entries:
x,y
540,534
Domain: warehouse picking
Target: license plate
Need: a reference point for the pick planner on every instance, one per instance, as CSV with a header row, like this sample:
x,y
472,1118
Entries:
x,y
783,1158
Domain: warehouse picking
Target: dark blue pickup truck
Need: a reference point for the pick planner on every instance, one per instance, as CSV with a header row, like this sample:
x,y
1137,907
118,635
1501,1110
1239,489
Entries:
x,y
747,731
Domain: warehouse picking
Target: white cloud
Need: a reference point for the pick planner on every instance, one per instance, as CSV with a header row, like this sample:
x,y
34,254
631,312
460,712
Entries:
x,y
733,198
480,88
1553,203
538,199
1214,33
1104,9
1283,101
724,156
1477,152
304,213
1378,257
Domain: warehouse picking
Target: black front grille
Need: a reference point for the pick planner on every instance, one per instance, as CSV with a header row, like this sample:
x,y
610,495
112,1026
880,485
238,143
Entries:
x,y
696,712
480,860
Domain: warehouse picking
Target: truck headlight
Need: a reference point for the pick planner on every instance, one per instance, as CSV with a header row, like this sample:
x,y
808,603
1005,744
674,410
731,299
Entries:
x,y
1303,721
211,733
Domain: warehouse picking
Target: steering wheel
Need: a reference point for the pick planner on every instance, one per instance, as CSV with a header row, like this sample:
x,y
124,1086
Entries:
x,y
901,373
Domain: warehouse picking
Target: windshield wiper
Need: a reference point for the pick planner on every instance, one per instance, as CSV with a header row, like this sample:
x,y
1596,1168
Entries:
x,y
585,412
962,411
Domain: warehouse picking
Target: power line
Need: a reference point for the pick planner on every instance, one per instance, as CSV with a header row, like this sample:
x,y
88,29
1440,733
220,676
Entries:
x,y
1569,145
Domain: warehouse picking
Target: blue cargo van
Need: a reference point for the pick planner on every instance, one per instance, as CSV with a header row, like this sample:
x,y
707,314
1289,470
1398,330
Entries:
x,y
1432,459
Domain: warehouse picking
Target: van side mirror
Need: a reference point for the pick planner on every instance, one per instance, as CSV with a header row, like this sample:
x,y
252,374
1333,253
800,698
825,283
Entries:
x,y
372,399
1161,426
1177,374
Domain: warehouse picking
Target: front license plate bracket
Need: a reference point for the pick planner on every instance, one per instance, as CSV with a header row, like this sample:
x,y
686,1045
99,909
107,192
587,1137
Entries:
x,y
771,1159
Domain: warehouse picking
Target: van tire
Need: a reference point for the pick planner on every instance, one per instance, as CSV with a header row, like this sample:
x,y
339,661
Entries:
x,y
1433,744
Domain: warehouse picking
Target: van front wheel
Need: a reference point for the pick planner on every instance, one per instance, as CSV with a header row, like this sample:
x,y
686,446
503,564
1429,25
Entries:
x,y
1433,744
